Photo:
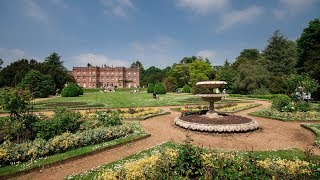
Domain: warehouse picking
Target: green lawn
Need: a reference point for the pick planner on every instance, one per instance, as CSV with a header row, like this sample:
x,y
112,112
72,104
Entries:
x,y
125,99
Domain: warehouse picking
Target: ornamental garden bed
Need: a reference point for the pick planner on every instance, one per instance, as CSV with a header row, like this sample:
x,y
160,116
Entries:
x,y
176,161
65,135
287,116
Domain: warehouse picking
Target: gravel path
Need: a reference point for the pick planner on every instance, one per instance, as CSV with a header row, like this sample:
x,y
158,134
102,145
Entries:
x,y
272,135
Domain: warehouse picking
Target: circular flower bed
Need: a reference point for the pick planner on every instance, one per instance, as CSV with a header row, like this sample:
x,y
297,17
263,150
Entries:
x,y
227,123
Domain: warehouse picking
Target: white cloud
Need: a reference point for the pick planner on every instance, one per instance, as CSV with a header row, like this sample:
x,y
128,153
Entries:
x,y
203,6
60,3
35,11
96,60
292,7
118,8
160,51
9,55
245,16
210,54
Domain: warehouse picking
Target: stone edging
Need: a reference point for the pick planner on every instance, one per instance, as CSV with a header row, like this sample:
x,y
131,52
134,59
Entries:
x,y
250,126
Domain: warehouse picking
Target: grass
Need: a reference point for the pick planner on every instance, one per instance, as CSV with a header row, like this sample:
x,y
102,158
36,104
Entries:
x,y
287,116
255,96
120,99
315,128
148,116
290,154
10,170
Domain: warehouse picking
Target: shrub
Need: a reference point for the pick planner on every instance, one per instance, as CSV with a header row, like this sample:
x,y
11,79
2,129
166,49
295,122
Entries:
x,y
260,91
108,119
160,89
72,90
186,89
11,153
280,102
150,88
303,106
62,121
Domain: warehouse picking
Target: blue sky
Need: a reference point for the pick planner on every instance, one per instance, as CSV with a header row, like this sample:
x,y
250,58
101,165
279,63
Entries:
x,y
155,32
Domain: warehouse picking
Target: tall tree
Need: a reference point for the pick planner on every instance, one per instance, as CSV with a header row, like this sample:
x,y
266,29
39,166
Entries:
x,y
12,74
247,55
40,85
54,67
153,75
181,73
228,74
309,51
280,55
199,71
188,60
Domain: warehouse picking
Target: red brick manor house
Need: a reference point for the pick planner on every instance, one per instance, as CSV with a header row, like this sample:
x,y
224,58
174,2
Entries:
x,y
106,76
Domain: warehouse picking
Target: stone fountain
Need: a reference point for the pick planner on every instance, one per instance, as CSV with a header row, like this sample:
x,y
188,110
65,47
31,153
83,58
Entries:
x,y
213,121
214,97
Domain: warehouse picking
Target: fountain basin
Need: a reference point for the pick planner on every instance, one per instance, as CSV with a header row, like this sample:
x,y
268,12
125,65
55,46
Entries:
x,y
211,84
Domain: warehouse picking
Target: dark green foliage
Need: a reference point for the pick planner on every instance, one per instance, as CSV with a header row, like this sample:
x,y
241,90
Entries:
x,y
62,121
108,119
40,85
302,106
72,90
160,89
54,67
292,82
14,100
280,55
12,74
153,75
246,56
186,89
150,88
171,84
189,161
280,102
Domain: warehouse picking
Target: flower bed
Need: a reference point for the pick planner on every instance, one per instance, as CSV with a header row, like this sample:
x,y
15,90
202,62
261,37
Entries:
x,y
15,167
287,116
171,161
316,129
223,108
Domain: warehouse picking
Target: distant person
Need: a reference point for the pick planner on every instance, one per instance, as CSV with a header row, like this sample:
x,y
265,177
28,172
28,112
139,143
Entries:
x,y
154,95
224,91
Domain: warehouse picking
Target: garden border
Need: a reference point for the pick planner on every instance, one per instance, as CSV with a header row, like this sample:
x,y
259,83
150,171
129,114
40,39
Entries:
x,y
70,155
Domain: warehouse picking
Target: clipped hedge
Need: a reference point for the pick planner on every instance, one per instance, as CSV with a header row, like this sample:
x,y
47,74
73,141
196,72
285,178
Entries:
x,y
186,89
159,88
150,88
11,153
72,90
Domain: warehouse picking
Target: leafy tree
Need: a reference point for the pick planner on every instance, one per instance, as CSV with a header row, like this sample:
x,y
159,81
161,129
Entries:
x,y
228,74
160,89
199,71
188,60
181,73
247,55
294,81
280,55
250,77
170,83
16,101
39,84
309,51
153,75
12,74
54,67
72,90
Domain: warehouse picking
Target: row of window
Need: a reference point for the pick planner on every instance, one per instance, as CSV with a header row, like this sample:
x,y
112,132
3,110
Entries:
x,y
107,77
93,73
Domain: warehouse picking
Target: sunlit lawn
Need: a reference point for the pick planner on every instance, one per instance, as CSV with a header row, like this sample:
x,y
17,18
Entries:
x,y
125,99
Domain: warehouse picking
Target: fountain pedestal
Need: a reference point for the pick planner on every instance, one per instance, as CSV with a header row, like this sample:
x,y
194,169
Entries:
x,y
211,98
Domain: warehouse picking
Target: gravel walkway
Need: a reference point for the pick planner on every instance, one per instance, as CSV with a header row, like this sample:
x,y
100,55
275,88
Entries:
x,y
272,135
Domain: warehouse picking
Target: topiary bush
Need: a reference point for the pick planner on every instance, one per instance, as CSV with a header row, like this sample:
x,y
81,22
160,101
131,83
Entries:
x,y
281,102
150,88
72,90
160,89
186,89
